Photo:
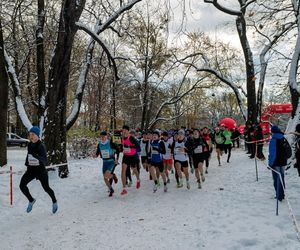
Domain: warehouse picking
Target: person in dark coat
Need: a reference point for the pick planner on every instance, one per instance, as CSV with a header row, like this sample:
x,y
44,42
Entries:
x,y
277,161
297,148
259,136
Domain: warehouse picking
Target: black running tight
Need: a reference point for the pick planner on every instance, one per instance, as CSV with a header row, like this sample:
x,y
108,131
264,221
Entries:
x,y
42,176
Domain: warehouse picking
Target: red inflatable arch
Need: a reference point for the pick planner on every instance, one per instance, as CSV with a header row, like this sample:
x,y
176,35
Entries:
x,y
284,108
228,122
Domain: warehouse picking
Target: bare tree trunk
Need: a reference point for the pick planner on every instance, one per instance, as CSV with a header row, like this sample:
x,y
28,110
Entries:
x,y
113,122
40,57
3,103
250,72
55,123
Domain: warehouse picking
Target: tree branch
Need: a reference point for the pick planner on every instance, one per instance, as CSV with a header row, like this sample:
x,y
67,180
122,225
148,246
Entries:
x,y
223,8
225,80
121,10
17,92
111,59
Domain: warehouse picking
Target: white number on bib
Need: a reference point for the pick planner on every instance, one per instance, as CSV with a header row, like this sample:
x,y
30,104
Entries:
x,y
179,150
33,161
105,154
198,150
126,150
155,152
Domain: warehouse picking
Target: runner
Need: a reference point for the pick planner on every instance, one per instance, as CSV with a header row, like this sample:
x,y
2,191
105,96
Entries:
x,y
136,165
106,149
145,151
157,151
175,139
189,137
208,150
197,147
219,140
179,151
130,146
228,142
167,157
36,161
115,152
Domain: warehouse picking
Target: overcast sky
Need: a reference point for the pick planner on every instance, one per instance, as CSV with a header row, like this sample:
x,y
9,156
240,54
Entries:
x,y
200,16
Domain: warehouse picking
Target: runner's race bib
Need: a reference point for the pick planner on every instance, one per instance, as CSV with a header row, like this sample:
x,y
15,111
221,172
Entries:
x,y
198,150
219,140
179,151
155,152
105,154
33,161
143,152
168,150
126,150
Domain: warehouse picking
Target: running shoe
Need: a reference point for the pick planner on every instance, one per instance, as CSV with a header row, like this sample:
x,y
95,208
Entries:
x,y
188,185
138,184
154,188
199,184
168,181
111,192
54,207
124,191
179,185
129,184
202,178
165,188
30,205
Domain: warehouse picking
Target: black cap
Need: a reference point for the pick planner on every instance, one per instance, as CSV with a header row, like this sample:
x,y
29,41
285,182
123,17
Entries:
x,y
103,133
165,133
126,127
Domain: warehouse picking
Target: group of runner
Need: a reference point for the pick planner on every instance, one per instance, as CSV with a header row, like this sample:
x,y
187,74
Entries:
x,y
159,152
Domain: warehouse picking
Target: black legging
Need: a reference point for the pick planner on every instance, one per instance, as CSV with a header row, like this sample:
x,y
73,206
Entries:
x,y
128,174
42,177
227,149
207,155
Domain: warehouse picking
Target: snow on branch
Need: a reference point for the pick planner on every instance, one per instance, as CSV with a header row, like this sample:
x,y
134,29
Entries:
x,y
244,7
121,10
94,35
17,92
82,80
223,8
264,63
174,100
159,119
225,80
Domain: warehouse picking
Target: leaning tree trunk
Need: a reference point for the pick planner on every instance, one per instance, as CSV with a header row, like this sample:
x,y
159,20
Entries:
x,y
293,73
55,120
3,103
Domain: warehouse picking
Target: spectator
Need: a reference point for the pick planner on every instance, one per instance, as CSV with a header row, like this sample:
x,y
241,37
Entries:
x,y
277,160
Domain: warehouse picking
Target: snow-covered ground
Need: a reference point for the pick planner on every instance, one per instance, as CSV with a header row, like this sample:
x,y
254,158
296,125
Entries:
x,y
232,211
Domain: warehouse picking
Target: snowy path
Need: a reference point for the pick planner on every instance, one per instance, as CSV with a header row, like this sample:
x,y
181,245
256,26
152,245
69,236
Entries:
x,y
242,216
